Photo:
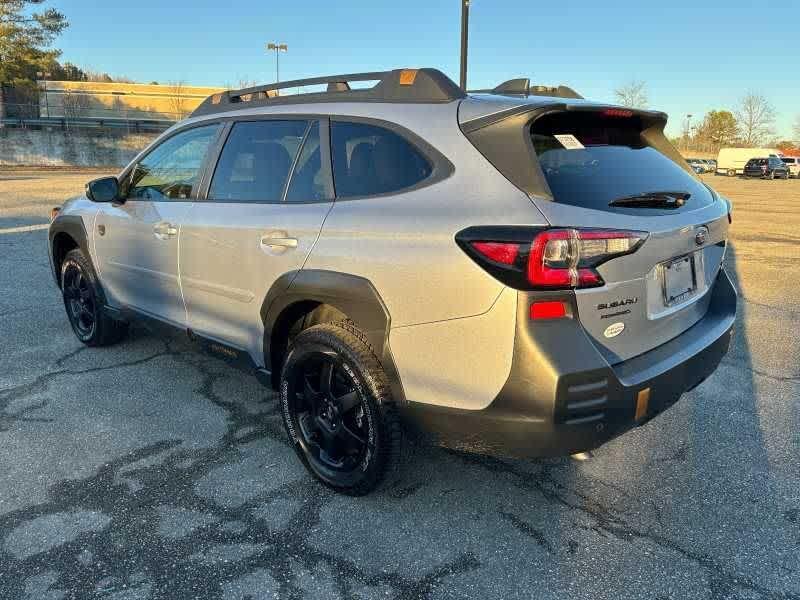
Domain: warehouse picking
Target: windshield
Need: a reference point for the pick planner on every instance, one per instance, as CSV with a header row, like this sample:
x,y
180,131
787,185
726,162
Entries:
x,y
590,160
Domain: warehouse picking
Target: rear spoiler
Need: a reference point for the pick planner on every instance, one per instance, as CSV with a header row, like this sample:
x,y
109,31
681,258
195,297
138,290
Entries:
x,y
649,117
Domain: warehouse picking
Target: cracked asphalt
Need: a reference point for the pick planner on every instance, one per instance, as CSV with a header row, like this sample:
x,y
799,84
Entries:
x,y
147,470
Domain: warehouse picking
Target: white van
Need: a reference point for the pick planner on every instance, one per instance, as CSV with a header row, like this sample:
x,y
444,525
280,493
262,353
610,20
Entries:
x,y
731,161
793,162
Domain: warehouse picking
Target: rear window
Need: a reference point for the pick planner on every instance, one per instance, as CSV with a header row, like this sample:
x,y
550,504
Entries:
x,y
370,160
757,162
590,160
789,161
255,162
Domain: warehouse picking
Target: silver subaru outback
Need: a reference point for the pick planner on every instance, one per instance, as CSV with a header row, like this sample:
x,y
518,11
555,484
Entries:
x,y
516,271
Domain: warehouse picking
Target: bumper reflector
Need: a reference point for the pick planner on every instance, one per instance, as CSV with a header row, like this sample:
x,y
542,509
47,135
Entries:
x,y
642,402
548,310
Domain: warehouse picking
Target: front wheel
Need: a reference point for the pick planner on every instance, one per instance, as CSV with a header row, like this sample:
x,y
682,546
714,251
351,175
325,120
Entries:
x,y
86,313
338,410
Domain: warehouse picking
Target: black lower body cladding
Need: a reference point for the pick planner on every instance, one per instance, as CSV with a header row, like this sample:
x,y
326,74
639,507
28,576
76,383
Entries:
x,y
562,397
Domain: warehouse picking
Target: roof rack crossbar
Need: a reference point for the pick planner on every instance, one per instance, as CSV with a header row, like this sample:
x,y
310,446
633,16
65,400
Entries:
x,y
399,85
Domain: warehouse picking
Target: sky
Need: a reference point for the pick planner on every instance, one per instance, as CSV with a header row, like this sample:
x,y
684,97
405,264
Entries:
x,y
693,56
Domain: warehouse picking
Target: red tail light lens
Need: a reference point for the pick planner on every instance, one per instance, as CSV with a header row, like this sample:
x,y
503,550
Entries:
x,y
567,257
528,258
501,252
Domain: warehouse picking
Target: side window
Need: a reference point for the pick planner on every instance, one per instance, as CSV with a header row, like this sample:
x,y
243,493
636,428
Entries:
x,y
310,182
369,160
255,162
172,170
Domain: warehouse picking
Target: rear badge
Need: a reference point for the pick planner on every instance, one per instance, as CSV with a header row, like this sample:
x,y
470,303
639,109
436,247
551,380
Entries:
x,y
614,330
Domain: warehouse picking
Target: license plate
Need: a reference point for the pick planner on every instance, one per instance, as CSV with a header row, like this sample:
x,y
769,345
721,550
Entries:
x,y
679,279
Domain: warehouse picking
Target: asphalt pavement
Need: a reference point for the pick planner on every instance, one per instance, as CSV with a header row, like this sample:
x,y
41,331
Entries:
x,y
147,470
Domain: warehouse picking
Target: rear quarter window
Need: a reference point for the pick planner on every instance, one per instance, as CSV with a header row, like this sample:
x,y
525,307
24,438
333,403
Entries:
x,y
369,160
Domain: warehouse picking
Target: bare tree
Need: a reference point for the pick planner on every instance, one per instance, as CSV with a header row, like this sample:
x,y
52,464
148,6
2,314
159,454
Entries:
x,y
796,130
755,118
75,104
177,99
632,94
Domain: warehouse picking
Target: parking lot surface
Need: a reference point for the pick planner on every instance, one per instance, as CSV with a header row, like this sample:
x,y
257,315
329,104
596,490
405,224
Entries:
x,y
147,470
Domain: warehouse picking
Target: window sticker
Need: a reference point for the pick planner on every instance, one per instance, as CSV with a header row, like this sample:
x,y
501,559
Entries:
x,y
569,141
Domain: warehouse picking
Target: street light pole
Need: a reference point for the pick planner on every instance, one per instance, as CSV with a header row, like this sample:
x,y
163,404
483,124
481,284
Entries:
x,y
44,76
688,129
278,48
464,40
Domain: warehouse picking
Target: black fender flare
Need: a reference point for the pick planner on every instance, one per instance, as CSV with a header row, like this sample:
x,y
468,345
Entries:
x,y
73,226
355,296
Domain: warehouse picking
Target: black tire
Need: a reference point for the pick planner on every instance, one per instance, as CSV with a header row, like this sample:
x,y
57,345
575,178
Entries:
x,y
347,432
82,301
771,175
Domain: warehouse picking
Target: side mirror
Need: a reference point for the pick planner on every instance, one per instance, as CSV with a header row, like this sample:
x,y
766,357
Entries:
x,y
105,189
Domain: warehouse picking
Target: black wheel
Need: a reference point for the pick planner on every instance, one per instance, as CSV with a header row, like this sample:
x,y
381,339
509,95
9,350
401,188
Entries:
x,y
338,409
771,175
85,311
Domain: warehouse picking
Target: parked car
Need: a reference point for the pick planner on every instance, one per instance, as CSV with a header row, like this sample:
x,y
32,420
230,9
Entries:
x,y
477,268
793,164
711,164
766,168
731,161
698,165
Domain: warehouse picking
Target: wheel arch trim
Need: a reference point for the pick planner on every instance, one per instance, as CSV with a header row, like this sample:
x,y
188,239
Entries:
x,y
74,227
354,296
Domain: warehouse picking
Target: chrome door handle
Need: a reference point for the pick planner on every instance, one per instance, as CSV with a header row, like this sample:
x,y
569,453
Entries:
x,y
164,230
279,242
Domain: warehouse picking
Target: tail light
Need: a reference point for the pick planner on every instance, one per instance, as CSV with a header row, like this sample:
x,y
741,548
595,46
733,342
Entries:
x,y
527,258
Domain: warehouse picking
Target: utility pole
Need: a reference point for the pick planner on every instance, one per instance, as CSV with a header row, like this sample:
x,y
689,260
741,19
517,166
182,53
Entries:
x,y
464,41
278,48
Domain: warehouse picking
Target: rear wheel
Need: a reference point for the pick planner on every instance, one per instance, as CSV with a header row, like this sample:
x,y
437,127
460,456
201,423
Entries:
x,y
771,175
86,313
338,410
731,172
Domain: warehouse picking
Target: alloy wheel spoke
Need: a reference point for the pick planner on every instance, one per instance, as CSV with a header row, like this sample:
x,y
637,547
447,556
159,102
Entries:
x,y
349,436
348,402
326,379
309,393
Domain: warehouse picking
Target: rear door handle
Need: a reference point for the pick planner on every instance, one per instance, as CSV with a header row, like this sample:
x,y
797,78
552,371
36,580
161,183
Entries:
x,y
164,230
277,242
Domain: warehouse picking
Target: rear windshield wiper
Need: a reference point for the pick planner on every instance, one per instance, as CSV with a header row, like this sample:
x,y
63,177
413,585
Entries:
x,y
653,200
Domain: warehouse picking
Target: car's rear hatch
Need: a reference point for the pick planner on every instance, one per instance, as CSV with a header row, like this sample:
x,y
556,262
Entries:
x,y
596,167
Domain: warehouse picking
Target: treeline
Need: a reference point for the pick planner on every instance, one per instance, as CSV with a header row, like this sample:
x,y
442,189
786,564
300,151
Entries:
x,y
26,55
750,124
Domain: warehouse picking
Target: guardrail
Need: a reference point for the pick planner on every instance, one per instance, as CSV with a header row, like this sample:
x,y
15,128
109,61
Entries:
x,y
34,116
130,125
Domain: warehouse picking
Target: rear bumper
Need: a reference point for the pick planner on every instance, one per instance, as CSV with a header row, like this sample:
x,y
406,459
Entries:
x,y
562,397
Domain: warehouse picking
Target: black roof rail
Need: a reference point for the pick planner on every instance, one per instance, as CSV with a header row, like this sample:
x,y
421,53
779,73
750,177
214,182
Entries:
x,y
522,87
399,85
